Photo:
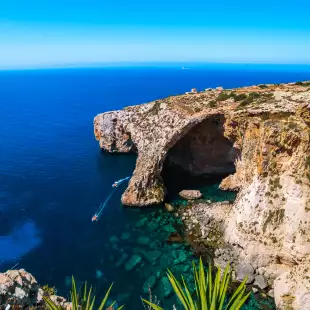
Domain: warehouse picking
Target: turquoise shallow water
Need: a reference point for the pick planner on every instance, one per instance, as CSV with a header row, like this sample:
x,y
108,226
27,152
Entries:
x,y
53,176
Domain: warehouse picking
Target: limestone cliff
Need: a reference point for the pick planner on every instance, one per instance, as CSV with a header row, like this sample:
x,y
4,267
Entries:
x,y
260,135
20,290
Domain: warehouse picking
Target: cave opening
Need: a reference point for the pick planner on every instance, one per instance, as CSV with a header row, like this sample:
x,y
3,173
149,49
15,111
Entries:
x,y
201,160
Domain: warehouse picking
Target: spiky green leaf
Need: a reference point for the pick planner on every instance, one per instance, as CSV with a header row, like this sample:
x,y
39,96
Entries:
x,y
154,306
105,298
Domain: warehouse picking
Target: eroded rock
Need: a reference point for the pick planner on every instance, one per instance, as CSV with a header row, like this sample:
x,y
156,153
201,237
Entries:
x,y
260,282
190,194
244,270
264,143
133,262
18,287
169,207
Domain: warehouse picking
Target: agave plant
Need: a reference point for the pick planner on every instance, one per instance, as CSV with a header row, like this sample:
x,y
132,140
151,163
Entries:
x,y
210,294
84,302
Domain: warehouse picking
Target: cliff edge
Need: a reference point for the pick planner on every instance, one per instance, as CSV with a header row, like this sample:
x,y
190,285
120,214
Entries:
x,y
259,136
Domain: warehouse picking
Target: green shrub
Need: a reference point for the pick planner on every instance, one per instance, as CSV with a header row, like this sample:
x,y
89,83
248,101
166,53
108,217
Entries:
x,y
254,95
84,302
223,96
303,83
246,101
239,97
197,109
292,125
262,86
268,95
210,294
212,104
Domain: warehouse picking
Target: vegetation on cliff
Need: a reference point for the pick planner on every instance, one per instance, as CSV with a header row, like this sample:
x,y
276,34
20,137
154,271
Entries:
x,y
209,293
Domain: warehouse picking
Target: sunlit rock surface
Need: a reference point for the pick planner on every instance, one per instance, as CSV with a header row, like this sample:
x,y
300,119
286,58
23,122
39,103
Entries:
x,y
258,134
18,287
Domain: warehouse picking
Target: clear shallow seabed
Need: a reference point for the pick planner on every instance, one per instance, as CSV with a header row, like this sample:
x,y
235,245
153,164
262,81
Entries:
x,y
53,176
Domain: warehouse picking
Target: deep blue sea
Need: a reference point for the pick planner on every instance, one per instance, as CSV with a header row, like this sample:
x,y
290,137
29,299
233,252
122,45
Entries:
x,y
53,175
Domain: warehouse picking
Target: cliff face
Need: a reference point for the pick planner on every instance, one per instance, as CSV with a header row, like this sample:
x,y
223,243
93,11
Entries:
x,y
151,130
261,136
205,133
18,288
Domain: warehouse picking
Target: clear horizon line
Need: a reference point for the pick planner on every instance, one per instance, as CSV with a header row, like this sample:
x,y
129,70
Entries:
x,y
140,63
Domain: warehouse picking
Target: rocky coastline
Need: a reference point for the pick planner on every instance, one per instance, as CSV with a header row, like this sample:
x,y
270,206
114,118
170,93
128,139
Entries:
x,y
20,288
259,136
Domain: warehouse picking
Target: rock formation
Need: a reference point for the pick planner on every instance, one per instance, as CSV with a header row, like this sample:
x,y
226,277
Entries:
x,y
261,136
190,194
18,287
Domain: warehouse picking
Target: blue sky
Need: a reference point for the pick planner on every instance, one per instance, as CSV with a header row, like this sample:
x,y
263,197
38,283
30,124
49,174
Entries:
x,y
43,33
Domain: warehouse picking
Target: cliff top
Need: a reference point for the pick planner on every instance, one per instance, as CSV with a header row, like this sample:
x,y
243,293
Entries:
x,y
254,99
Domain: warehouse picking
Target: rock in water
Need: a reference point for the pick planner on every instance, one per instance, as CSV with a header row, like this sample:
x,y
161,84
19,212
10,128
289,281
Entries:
x,y
169,207
165,287
125,236
190,194
179,257
68,281
133,262
153,255
143,240
121,260
99,274
149,284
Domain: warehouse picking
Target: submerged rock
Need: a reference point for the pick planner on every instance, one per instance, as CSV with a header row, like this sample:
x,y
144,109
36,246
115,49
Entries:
x,y
149,284
99,274
179,257
169,228
141,222
114,239
143,240
165,287
155,244
68,281
121,260
153,226
190,194
133,262
153,255
125,236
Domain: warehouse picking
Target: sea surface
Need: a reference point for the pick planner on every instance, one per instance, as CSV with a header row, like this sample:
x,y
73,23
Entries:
x,y
53,176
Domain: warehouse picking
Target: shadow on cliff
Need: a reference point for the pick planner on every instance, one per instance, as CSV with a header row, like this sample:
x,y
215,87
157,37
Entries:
x,y
202,158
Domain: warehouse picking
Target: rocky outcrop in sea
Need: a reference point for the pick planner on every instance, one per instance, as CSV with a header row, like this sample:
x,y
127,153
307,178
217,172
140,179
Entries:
x,y
258,137
20,288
